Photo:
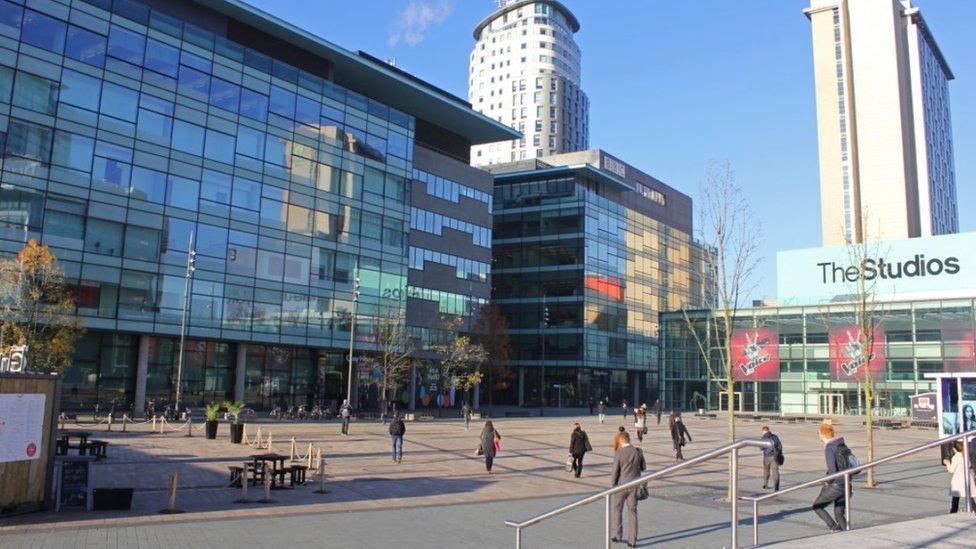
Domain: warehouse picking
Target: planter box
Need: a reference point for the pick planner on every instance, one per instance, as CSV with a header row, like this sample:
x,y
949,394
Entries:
x,y
112,499
236,432
212,429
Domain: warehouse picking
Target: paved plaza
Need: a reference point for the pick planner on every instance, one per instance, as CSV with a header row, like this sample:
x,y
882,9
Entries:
x,y
441,492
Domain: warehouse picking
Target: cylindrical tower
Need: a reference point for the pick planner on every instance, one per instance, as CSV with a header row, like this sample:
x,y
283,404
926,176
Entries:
x,y
525,72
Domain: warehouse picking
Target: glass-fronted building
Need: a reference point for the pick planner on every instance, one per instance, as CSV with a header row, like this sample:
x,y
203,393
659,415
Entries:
x,y
807,349
587,250
131,134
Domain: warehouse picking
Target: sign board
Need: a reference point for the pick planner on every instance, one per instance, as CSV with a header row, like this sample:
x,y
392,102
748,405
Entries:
x,y
74,482
16,361
924,407
755,354
936,267
850,360
21,427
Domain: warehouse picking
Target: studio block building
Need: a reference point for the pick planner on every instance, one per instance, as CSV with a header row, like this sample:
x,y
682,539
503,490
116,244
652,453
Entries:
x,y
127,127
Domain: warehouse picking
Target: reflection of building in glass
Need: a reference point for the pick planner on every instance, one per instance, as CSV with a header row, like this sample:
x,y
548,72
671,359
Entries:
x,y
587,251
129,128
815,356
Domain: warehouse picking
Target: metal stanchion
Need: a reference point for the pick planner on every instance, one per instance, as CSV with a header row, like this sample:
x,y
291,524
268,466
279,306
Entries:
x,y
606,524
171,503
308,457
267,488
847,499
110,418
189,426
291,451
734,464
321,472
755,523
124,418
244,482
967,474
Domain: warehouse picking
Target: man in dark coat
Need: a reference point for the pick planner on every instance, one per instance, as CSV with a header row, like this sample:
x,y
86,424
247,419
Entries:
x,y
628,463
678,434
579,445
772,457
657,410
832,491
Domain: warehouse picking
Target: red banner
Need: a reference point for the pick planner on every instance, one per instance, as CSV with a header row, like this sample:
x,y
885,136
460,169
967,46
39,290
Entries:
x,y
848,355
755,354
959,347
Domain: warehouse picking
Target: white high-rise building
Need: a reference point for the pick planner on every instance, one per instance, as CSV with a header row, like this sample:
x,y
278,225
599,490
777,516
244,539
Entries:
x,y
886,161
525,72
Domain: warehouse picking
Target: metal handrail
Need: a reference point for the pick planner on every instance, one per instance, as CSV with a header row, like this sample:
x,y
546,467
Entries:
x,y
630,485
848,473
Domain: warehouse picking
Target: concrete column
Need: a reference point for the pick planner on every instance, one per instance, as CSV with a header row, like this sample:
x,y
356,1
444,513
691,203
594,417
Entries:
x,y
413,387
240,369
521,387
635,383
476,397
142,372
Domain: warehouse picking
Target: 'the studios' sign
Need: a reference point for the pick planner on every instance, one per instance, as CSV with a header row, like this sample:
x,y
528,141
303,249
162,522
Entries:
x,y
15,361
936,267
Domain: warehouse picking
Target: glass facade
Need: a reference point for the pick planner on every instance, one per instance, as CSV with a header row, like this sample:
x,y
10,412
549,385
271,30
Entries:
x,y
581,270
128,132
915,338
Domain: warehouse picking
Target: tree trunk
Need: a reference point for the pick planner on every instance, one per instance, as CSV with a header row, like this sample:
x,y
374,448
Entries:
x,y
869,422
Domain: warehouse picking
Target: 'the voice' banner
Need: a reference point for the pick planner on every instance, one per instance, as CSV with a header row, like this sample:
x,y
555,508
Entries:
x,y
755,354
849,358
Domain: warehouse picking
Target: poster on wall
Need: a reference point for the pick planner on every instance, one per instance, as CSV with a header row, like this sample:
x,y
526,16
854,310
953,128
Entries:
x,y
21,426
949,403
959,347
923,407
755,354
967,404
849,360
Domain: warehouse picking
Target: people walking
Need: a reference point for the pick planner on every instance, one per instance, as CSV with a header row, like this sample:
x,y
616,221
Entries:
x,y
657,410
624,407
466,414
640,424
772,459
618,439
397,429
591,406
957,486
490,444
601,411
628,463
678,435
345,412
837,458
579,445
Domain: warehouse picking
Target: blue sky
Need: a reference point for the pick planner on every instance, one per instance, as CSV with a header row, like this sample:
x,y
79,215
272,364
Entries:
x,y
676,85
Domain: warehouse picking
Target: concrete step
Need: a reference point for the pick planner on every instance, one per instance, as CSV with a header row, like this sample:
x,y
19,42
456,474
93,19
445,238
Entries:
x,y
955,531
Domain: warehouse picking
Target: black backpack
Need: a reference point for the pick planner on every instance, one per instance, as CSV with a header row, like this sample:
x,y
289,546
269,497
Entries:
x,y
845,459
397,427
778,451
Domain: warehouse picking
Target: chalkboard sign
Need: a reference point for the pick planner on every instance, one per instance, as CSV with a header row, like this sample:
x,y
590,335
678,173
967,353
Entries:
x,y
74,482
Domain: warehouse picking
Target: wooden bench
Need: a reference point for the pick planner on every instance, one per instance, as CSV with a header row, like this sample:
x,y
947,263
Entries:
x,y
236,473
297,474
518,414
97,448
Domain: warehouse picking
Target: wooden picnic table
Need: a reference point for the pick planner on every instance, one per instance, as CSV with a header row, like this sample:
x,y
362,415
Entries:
x,y
277,467
65,441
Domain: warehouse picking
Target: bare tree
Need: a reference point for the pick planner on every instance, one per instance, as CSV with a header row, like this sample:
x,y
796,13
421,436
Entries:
x,y
729,231
396,352
38,308
460,358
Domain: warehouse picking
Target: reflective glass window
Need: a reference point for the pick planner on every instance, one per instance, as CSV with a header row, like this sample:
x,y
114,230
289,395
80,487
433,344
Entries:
x,y
80,90
215,186
247,194
141,243
250,142
177,234
276,150
225,95
220,147
6,83
273,213
126,45
307,111
282,102
195,61
85,46
103,237
148,184
44,32
111,171
64,217
35,93
29,141
73,151
162,58
11,16
193,83
182,192
211,241
154,127
119,101
188,137
254,105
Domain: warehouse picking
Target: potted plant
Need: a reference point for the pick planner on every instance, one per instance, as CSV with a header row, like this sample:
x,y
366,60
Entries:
x,y
236,427
212,411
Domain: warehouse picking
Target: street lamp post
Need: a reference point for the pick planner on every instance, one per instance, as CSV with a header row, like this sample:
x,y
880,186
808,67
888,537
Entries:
x,y
352,330
190,260
542,377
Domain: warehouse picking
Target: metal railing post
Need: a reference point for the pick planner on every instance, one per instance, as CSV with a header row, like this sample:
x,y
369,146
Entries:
x,y
967,474
735,497
518,538
847,499
606,524
755,522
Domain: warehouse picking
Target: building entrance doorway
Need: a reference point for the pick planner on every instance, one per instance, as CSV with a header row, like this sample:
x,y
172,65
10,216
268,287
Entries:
x,y
831,404
723,401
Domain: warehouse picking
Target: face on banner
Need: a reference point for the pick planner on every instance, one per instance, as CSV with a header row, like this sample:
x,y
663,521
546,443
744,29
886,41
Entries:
x,y
960,347
849,358
755,354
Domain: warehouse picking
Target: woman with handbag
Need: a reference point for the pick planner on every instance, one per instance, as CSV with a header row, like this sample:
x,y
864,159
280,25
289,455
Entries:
x,y
490,444
579,445
640,424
